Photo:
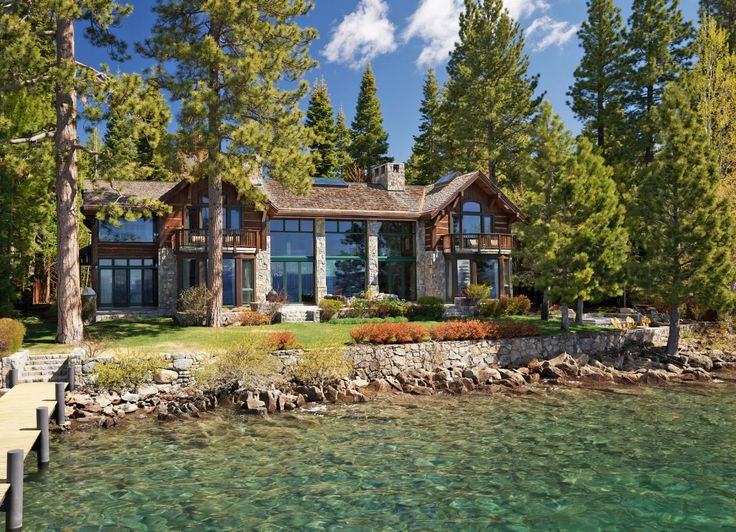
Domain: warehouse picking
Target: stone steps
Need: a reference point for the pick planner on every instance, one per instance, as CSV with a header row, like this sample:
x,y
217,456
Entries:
x,y
299,314
45,368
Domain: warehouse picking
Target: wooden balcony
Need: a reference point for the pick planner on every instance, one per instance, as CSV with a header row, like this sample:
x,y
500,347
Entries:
x,y
491,243
233,240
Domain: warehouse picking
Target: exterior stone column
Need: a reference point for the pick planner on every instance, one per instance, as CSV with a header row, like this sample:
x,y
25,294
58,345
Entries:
x,y
262,274
168,289
320,259
371,270
421,255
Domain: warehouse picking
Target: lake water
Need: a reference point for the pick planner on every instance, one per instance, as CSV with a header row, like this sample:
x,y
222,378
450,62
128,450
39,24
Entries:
x,y
557,459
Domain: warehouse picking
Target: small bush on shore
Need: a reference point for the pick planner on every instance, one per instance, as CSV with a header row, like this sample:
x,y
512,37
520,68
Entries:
x,y
330,308
248,363
254,318
127,370
389,333
12,333
320,366
281,340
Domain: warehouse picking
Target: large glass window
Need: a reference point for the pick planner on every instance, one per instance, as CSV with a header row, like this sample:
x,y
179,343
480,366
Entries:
x,y
463,275
470,221
292,238
487,273
292,259
228,282
140,230
346,257
396,260
127,282
294,279
247,282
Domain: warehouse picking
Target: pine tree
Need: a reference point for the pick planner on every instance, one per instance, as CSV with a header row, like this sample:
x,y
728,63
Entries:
x,y
38,42
687,231
657,42
574,239
343,161
724,13
489,98
321,121
598,89
233,61
120,139
368,139
425,164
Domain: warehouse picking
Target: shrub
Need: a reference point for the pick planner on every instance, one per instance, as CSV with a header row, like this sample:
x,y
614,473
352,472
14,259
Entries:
x,y
361,321
330,308
194,304
252,317
388,333
517,305
387,308
505,306
281,340
478,291
492,308
319,366
428,308
127,371
249,363
12,333
275,297
458,330
511,329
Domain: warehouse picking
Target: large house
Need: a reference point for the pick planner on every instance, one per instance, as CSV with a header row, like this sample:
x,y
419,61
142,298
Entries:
x,y
340,239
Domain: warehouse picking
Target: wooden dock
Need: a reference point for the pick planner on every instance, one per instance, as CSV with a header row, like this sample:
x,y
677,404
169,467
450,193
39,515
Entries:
x,y
18,422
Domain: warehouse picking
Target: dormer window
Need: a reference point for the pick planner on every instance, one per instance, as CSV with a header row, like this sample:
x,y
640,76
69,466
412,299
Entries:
x,y
471,221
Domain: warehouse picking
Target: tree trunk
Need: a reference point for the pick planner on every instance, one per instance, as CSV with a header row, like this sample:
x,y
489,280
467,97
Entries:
x,y
565,317
214,250
69,297
673,341
544,309
579,310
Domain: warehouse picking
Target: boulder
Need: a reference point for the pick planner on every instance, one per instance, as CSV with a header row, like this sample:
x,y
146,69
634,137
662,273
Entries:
x,y
252,402
379,386
315,394
564,358
595,373
130,397
146,391
128,408
697,360
165,376
359,382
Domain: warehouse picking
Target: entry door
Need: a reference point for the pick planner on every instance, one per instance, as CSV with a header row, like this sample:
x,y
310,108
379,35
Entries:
x,y
295,280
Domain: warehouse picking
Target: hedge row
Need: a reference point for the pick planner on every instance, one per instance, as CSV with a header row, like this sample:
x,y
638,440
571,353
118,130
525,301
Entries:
x,y
404,333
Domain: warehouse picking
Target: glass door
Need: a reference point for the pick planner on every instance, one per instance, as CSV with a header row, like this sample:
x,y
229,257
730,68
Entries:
x,y
295,280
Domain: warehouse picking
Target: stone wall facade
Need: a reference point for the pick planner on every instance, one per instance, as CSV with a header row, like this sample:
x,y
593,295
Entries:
x,y
15,361
320,258
262,266
167,281
371,270
380,361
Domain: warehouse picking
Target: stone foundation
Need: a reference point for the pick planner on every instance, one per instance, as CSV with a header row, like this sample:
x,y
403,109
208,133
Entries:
x,y
167,281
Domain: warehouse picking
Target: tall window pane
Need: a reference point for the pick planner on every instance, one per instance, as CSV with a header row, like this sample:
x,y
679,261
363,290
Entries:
x,y
140,230
247,282
136,287
487,273
105,287
228,282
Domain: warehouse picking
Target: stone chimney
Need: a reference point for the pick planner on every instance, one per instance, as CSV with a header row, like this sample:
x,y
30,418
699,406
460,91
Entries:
x,y
390,176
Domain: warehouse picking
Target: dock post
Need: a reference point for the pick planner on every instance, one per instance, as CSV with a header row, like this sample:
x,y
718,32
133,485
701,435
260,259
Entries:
x,y
13,378
60,403
14,501
71,376
42,424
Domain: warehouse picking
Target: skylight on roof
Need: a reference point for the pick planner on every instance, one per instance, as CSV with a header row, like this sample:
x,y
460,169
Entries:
x,y
447,178
329,182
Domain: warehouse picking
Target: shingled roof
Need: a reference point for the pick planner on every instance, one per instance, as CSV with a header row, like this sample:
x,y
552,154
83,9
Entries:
x,y
353,199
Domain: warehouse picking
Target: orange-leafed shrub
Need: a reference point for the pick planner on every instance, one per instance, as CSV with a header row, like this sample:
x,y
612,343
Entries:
x,y
281,340
12,333
510,329
458,330
252,317
388,333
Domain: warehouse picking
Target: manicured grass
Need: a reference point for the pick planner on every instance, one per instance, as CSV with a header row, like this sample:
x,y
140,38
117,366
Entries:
x,y
163,335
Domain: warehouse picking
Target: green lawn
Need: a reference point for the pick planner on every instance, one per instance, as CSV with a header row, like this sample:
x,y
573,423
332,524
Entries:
x,y
163,335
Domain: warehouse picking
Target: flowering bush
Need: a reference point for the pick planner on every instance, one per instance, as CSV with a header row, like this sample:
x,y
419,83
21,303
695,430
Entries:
x,y
388,333
281,340
251,317
478,330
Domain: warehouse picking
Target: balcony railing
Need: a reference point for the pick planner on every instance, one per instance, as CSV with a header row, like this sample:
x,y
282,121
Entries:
x,y
478,243
235,239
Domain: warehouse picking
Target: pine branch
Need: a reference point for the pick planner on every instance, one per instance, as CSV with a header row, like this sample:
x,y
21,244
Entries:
x,y
100,75
33,138
21,84
87,150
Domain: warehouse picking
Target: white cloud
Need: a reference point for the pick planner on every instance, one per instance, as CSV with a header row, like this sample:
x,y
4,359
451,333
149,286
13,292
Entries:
x,y
362,35
546,32
523,8
437,23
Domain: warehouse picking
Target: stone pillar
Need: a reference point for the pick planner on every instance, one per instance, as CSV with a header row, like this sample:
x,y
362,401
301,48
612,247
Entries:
x,y
168,289
371,271
262,266
320,258
421,255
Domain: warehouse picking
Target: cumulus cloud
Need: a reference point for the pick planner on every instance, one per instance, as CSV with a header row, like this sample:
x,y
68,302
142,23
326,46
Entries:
x,y
362,35
436,22
546,32
524,8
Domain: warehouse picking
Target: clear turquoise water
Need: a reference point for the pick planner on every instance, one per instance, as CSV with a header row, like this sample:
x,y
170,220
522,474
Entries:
x,y
559,459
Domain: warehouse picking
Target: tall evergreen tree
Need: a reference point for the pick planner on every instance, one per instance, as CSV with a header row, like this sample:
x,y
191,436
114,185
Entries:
x,y
489,97
598,89
657,41
368,139
232,62
724,13
687,231
425,164
321,121
343,161
38,42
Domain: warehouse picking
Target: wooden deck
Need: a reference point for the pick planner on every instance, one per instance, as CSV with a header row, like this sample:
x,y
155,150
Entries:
x,y
18,421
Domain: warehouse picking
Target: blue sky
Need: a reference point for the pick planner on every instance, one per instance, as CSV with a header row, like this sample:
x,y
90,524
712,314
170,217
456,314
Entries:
x,y
402,38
